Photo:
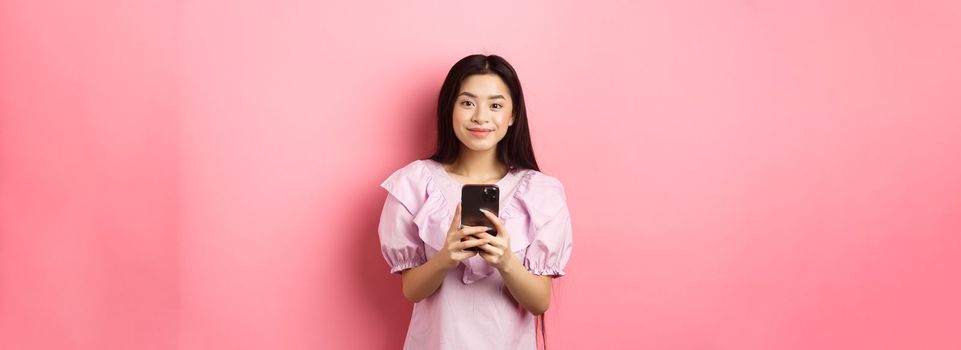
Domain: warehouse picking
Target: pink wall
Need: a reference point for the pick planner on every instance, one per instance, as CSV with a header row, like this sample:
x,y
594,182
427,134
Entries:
x,y
203,174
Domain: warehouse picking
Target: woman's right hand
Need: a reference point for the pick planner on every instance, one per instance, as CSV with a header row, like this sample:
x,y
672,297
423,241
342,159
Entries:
x,y
455,246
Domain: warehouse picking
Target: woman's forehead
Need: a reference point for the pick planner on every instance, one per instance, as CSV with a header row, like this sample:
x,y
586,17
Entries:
x,y
484,86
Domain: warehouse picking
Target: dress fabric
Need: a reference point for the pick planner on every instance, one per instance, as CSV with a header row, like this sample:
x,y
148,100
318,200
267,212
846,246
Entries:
x,y
472,309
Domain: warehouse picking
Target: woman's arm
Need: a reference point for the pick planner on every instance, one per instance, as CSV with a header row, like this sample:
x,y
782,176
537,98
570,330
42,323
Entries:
x,y
422,281
530,290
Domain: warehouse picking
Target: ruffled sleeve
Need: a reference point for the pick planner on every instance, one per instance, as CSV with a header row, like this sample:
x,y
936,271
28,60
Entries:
x,y
399,240
552,239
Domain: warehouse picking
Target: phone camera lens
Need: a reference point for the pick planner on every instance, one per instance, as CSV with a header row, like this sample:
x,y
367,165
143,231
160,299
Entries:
x,y
490,194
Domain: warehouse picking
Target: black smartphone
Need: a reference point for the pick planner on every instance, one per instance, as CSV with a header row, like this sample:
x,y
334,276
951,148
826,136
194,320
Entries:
x,y
473,199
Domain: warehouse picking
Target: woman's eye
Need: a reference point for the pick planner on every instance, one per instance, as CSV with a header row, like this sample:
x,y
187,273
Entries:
x,y
466,103
496,106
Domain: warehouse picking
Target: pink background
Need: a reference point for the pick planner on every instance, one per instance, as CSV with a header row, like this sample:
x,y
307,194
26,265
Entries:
x,y
203,174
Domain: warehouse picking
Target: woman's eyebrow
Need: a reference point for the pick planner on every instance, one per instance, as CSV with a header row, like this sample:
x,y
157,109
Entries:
x,y
491,97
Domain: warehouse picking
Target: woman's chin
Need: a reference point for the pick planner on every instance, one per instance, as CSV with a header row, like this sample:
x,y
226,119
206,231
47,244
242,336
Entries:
x,y
480,147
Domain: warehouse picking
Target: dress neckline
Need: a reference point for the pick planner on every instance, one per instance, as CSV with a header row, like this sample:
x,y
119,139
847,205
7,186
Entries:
x,y
440,168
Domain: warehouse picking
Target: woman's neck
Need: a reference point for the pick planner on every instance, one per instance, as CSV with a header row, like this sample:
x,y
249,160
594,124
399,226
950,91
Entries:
x,y
480,166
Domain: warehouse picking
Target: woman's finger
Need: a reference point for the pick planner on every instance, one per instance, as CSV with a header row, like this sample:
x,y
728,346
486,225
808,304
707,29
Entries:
x,y
491,250
498,224
455,223
494,240
471,243
472,230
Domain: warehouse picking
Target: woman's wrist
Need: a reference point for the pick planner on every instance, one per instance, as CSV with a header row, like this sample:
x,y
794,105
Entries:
x,y
444,260
510,264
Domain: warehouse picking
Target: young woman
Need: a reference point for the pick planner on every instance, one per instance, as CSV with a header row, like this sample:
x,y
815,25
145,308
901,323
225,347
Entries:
x,y
485,299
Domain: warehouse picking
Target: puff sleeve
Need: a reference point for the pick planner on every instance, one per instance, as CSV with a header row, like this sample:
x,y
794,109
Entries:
x,y
552,242
400,242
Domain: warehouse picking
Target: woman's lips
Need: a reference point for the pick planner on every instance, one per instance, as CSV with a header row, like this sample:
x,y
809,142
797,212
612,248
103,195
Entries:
x,y
480,132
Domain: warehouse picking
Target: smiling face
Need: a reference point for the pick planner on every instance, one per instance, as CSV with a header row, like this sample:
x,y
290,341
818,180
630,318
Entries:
x,y
482,112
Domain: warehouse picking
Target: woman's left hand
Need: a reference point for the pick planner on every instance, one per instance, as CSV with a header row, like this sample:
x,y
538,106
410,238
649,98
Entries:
x,y
498,251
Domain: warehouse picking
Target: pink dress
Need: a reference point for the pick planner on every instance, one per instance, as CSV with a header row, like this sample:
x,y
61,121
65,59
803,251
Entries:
x,y
472,309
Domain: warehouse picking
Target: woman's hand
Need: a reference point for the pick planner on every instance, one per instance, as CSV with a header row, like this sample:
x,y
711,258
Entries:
x,y
497,251
455,245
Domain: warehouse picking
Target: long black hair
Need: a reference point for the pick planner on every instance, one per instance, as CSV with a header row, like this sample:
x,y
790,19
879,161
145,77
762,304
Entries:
x,y
515,149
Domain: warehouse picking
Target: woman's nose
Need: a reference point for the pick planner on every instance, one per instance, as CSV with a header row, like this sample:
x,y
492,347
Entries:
x,y
480,118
